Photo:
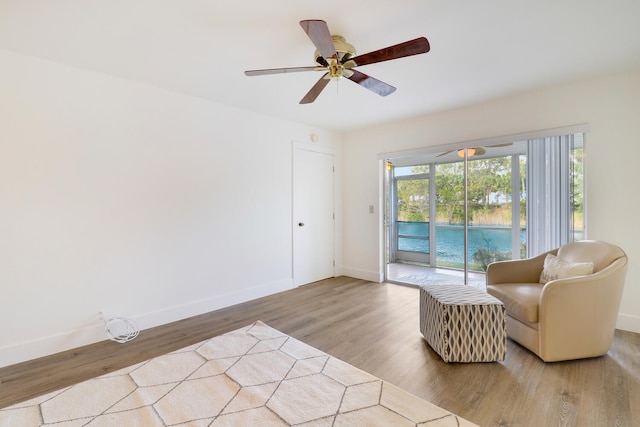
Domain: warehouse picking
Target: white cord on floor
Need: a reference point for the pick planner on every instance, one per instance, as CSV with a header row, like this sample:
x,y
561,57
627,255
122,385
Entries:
x,y
121,329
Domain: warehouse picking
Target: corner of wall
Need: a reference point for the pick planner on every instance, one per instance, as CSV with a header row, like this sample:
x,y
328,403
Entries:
x,y
628,322
357,273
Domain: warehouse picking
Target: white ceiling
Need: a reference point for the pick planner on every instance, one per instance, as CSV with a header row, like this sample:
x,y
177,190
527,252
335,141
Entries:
x,y
479,50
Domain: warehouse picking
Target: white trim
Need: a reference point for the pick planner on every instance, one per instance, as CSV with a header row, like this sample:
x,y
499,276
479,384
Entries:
x,y
313,147
544,133
383,214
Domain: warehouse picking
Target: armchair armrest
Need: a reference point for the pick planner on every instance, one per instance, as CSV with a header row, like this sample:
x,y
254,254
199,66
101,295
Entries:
x,y
517,271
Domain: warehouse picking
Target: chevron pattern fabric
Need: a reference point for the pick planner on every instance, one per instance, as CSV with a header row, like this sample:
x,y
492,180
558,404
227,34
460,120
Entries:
x,y
462,323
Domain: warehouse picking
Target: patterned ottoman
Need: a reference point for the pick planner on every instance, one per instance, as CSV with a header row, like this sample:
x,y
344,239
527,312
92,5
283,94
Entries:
x,y
462,323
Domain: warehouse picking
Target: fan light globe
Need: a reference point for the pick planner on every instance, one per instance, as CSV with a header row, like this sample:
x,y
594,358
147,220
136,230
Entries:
x,y
470,152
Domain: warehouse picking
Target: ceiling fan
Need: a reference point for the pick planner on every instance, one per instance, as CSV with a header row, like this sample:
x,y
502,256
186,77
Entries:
x,y
474,151
337,58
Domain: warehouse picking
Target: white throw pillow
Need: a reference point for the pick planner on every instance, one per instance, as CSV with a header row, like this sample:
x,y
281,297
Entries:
x,y
555,268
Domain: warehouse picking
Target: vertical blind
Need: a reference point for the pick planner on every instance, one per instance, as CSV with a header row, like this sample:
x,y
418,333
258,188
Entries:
x,y
548,193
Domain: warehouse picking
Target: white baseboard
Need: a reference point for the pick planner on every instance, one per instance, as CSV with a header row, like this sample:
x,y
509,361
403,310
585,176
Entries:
x,y
628,322
39,347
194,308
94,332
357,273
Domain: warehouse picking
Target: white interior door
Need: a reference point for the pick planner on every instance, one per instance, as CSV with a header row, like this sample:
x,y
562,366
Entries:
x,y
313,215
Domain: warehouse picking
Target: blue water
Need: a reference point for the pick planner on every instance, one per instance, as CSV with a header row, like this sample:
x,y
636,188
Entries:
x,y
450,240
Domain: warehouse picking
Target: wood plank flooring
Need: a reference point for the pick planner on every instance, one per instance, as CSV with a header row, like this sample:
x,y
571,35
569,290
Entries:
x,y
375,328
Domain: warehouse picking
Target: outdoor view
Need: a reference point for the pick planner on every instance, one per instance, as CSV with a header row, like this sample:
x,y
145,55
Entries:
x,y
491,196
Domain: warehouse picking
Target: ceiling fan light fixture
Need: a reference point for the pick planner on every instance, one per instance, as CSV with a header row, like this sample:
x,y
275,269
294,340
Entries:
x,y
335,68
470,152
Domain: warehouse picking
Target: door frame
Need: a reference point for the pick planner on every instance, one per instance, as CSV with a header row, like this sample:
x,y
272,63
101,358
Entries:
x,y
395,254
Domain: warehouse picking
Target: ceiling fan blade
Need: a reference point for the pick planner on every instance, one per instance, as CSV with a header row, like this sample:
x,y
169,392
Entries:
x,y
412,47
316,89
374,85
281,70
480,151
445,153
318,32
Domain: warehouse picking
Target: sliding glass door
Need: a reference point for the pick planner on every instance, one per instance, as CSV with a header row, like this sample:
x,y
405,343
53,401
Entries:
x,y
495,219
453,212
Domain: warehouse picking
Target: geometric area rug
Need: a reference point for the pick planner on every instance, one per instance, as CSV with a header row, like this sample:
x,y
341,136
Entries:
x,y
253,376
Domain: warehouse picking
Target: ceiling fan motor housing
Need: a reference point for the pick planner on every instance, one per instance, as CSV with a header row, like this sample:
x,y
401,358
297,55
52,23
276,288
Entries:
x,y
344,50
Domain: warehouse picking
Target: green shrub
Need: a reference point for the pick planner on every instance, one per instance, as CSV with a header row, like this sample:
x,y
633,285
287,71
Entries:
x,y
484,257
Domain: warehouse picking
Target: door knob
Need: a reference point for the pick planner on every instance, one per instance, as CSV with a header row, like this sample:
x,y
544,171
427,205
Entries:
x,y
301,224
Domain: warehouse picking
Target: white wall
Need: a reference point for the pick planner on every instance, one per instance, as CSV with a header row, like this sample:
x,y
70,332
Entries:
x,y
127,198
611,105
149,204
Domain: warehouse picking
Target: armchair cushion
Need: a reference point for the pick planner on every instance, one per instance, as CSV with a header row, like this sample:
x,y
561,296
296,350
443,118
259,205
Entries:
x,y
521,300
555,268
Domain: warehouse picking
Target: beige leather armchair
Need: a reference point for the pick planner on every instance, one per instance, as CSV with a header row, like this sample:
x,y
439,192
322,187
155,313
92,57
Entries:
x,y
566,318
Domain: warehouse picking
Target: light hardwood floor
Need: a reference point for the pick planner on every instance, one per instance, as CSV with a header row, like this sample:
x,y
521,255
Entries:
x,y
375,328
